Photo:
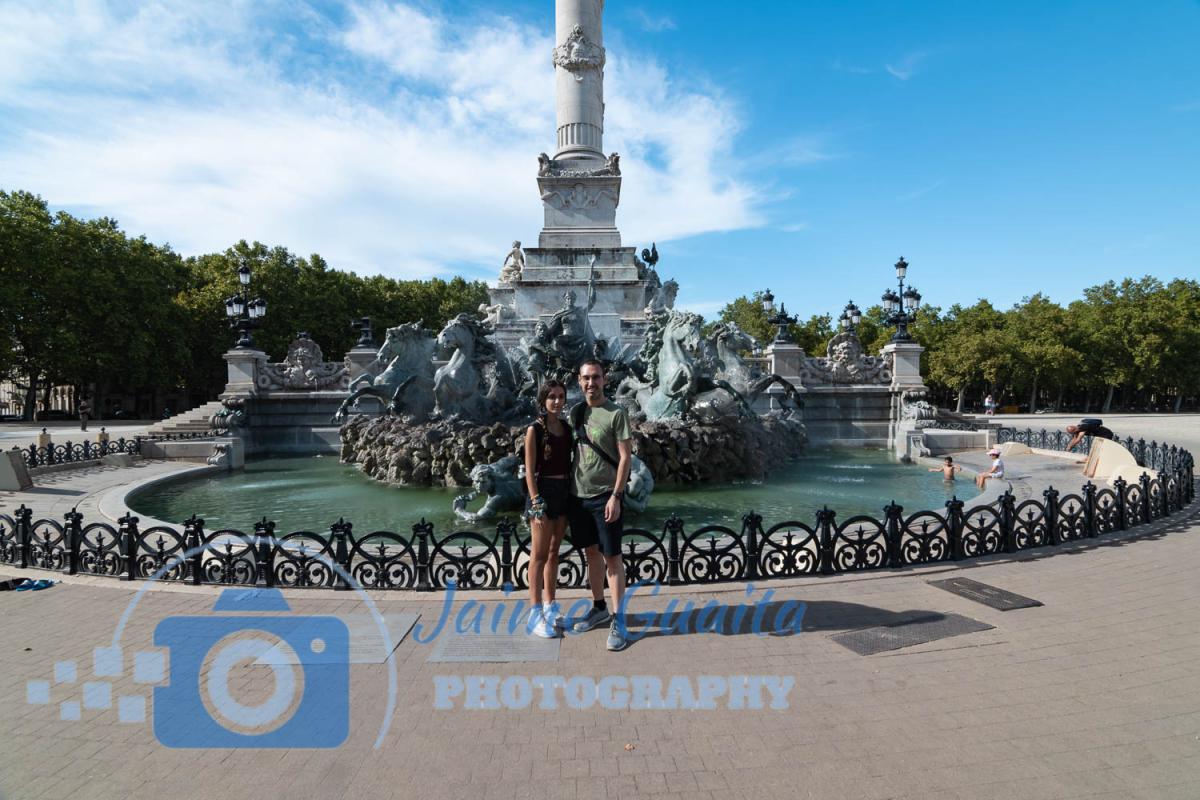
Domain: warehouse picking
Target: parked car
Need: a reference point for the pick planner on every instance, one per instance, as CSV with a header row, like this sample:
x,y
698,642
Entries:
x,y
121,413
54,414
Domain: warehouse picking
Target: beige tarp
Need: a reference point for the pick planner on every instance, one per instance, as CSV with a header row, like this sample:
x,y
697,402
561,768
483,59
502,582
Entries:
x,y
1108,460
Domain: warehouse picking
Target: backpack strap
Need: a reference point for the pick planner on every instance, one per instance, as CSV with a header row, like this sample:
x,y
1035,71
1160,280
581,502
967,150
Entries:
x,y
581,435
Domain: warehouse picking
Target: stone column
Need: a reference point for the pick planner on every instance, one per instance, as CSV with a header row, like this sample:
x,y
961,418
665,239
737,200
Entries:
x,y
906,365
243,372
906,438
579,79
579,187
785,360
359,359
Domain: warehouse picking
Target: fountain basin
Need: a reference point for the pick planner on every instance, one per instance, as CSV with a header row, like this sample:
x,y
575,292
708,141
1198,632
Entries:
x,y
311,493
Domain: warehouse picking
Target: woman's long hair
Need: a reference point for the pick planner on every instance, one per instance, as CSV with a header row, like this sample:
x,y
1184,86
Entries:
x,y
544,392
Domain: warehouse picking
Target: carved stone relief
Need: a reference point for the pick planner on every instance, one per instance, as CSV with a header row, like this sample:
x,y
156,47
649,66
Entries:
x,y
579,196
304,368
844,362
577,53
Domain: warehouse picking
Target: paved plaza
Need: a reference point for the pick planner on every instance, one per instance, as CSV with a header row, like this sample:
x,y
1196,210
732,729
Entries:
x,y
1094,693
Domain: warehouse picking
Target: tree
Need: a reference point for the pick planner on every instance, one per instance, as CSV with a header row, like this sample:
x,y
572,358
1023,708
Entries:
x,y
1038,336
970,349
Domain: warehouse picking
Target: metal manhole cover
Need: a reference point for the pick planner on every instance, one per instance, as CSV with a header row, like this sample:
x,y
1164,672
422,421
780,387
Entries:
x,y
492,648
930,628
999,599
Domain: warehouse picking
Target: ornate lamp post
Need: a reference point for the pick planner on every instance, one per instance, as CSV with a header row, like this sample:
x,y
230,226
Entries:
x,y
781,319
244,314
850,317
901,309
366,336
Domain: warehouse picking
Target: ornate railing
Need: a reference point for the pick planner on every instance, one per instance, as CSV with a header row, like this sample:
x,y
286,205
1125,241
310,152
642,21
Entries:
x,y
423,560
74,452
1148,454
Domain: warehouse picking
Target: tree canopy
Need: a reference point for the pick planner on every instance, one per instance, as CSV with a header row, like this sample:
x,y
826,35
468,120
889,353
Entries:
x,y
91,306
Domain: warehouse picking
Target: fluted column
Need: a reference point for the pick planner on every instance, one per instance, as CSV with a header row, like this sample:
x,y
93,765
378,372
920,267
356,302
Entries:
x,y
579,79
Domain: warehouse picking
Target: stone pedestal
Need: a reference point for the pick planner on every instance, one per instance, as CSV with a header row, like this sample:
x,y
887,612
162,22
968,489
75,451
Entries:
x,y
14,477
243,372
549,273
44,439
358,359
785,359
101,436
906,365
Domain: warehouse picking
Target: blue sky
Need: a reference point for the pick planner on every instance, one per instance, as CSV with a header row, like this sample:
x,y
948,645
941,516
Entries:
x,y
1003,148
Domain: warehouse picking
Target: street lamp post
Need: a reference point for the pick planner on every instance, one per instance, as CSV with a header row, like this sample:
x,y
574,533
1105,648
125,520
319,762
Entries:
x,y
900,309
244,314
781,319
850,318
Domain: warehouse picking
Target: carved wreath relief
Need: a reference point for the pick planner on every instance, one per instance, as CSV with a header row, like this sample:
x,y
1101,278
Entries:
x,y
304,368
579,196
577,53
844,362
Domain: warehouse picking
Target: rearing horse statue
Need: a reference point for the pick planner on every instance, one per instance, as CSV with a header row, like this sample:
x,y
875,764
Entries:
x,y
477,382
405,384
729,341
675,375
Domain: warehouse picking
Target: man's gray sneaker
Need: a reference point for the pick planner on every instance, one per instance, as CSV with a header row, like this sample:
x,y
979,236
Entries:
x,y
617,640
594,619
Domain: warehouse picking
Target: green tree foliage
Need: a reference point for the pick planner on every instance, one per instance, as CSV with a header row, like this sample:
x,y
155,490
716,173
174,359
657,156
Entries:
x,y
87,305
749,315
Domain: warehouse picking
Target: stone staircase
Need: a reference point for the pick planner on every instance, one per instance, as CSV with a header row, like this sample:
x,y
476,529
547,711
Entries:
x,y
194,421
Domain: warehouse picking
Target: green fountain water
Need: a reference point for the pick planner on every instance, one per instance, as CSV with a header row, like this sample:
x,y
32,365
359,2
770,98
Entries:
x,y
310,493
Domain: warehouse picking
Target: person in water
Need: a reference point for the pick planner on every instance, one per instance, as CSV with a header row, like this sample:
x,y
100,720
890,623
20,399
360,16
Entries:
x,y
947,469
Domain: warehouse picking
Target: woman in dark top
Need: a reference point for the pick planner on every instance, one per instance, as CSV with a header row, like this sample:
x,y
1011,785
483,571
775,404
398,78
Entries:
x,y
548,448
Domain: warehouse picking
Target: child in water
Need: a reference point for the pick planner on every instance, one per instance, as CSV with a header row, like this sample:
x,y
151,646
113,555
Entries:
x,y
948,469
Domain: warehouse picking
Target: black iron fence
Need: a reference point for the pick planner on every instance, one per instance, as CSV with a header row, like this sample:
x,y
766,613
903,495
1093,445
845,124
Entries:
x,y
423,560
74,452
1151,455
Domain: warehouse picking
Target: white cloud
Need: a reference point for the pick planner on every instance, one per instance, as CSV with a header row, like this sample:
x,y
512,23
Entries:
x,y
397,141
652,24
906,67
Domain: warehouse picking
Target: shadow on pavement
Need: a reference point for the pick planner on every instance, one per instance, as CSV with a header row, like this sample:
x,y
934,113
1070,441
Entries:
x,y
780,618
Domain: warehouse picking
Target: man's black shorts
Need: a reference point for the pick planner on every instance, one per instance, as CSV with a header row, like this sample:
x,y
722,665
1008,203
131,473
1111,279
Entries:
x,y
588,526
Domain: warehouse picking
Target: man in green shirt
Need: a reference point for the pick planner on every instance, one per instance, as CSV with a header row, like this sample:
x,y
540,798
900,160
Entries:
x,y
603,456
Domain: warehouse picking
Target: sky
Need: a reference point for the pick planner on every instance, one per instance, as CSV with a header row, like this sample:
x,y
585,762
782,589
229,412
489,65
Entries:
x,y
1002,147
